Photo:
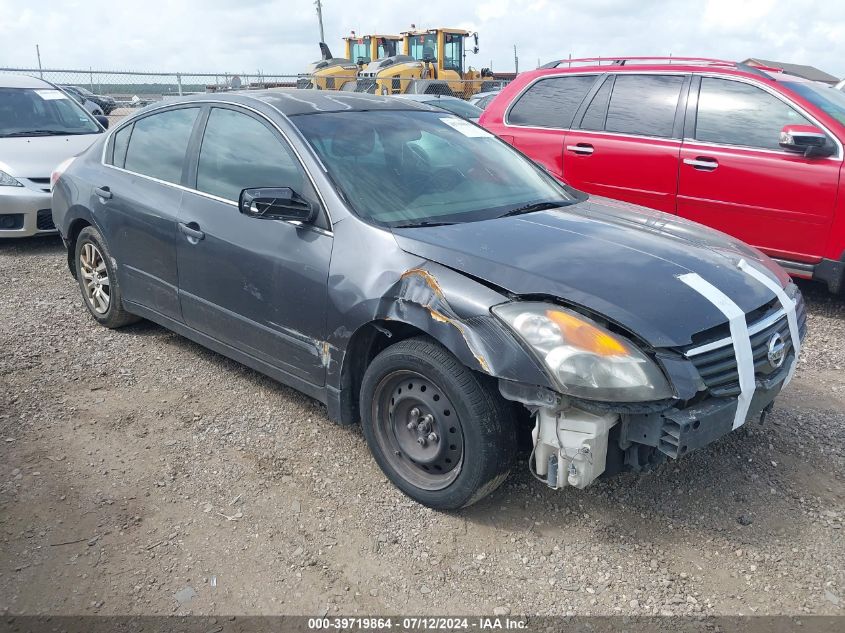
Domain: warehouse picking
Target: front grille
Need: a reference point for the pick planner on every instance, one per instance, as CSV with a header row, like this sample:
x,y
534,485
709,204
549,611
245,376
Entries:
x,y
717,367
44,220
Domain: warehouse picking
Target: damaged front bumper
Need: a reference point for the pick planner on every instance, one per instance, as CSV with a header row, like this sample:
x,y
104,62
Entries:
x,y
575,442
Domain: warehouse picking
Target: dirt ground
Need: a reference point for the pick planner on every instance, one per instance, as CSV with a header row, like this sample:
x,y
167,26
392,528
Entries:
x,y
143,474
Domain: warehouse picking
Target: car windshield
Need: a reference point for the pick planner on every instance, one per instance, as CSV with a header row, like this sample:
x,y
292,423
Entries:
x,y
416,168
42,112
829,99
457,106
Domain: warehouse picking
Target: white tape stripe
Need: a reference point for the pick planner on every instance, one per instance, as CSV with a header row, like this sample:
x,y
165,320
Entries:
x,y
739,335
788,305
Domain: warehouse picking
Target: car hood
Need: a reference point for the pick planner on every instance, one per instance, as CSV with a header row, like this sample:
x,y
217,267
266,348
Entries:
x,y
37,156
617,260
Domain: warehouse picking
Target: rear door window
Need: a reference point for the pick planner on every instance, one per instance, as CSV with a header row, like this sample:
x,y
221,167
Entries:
x,y
596,113
737,113
551,102
159,142
120,144
644,105
239,152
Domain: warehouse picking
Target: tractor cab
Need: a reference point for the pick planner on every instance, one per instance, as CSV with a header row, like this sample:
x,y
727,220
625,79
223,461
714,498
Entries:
x,y
361,50
442,50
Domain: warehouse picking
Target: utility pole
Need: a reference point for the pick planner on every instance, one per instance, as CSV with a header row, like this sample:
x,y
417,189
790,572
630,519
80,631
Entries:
x,y
38,53
319,6
515,60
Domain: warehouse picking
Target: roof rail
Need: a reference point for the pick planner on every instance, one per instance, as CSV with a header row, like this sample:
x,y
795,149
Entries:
x,y
687,61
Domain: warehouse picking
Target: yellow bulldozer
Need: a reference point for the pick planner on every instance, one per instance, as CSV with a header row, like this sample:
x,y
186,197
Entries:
x,y
340,73
433,63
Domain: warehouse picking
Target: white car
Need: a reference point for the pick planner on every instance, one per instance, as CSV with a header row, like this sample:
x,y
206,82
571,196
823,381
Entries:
x,y
40,126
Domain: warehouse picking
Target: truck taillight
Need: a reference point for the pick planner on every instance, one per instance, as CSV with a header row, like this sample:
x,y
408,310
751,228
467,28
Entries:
x,y
58,171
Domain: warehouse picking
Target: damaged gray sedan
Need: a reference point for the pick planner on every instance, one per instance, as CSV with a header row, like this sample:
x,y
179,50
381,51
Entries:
x,y
416,274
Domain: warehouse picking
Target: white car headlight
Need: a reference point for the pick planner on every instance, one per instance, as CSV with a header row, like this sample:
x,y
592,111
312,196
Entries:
x,y
586,360
7,181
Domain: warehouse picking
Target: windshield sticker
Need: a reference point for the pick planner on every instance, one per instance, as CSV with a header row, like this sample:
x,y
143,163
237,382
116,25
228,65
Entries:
x,y
466,128
49,95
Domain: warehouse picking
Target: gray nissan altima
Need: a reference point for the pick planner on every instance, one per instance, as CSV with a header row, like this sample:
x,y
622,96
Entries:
x,y
417,274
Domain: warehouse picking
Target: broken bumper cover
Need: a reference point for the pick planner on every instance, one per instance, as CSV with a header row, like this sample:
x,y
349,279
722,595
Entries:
x,y
682,431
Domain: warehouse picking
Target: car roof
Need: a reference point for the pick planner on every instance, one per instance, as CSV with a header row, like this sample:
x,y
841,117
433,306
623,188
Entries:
x,y
653,64
292,101
22,81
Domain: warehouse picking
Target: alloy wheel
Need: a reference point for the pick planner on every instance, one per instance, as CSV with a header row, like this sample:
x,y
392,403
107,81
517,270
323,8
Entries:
x,y
95,278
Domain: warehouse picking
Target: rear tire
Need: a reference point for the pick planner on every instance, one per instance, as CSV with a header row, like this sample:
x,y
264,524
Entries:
x,y
97,279
417,390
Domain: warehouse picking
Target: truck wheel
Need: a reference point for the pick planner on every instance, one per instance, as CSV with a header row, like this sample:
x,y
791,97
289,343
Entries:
x,y
97,280
440,433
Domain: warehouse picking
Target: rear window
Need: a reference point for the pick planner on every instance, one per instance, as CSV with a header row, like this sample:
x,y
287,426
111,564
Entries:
x,y
644,104
457,106
551,102
159,142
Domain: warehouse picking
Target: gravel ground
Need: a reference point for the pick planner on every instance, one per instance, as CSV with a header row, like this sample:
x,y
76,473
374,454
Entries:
x,y
141,474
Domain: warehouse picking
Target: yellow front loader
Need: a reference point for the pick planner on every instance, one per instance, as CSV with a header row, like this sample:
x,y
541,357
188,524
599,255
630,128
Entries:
x,y
340,73
433,63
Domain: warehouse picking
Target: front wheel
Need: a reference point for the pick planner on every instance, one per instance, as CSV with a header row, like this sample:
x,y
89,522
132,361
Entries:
x,y
440,432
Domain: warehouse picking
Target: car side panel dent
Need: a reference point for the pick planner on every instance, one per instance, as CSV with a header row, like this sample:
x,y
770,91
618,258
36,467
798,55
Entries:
x,y
405,289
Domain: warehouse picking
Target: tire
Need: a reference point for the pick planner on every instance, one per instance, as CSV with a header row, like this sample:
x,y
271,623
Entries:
x,y
471,434
92,260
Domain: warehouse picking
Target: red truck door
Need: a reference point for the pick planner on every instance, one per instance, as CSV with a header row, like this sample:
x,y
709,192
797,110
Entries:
x,y
736,178
537,121
628,140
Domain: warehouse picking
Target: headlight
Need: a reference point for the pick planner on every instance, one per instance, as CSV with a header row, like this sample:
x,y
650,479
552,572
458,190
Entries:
x,y
7,181
586,360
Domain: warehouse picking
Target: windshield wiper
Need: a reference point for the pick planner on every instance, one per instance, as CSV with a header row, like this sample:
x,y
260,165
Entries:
x,y
535,206
43,133
414,225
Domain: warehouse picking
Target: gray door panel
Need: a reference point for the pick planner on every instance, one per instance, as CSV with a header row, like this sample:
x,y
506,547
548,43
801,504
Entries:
x,y
256,284
142,216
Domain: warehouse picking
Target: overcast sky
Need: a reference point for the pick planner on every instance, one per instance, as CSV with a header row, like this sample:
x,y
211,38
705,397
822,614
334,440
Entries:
x,y
280,36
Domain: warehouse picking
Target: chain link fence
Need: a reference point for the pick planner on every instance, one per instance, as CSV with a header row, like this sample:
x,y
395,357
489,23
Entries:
x,y
364,82
117,93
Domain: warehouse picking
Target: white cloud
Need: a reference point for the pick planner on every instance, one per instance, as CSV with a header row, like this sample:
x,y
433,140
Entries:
x,y
280,36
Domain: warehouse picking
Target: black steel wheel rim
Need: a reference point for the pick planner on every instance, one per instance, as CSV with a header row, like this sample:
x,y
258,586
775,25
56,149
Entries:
x,y
418,430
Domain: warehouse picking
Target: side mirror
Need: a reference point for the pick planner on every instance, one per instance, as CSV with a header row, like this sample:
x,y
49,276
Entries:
x,y
102,120
475,48
279,203
807,140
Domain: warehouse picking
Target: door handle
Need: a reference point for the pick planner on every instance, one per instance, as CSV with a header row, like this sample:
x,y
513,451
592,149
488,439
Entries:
x,y
191,231
702,163
104,192
583,149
